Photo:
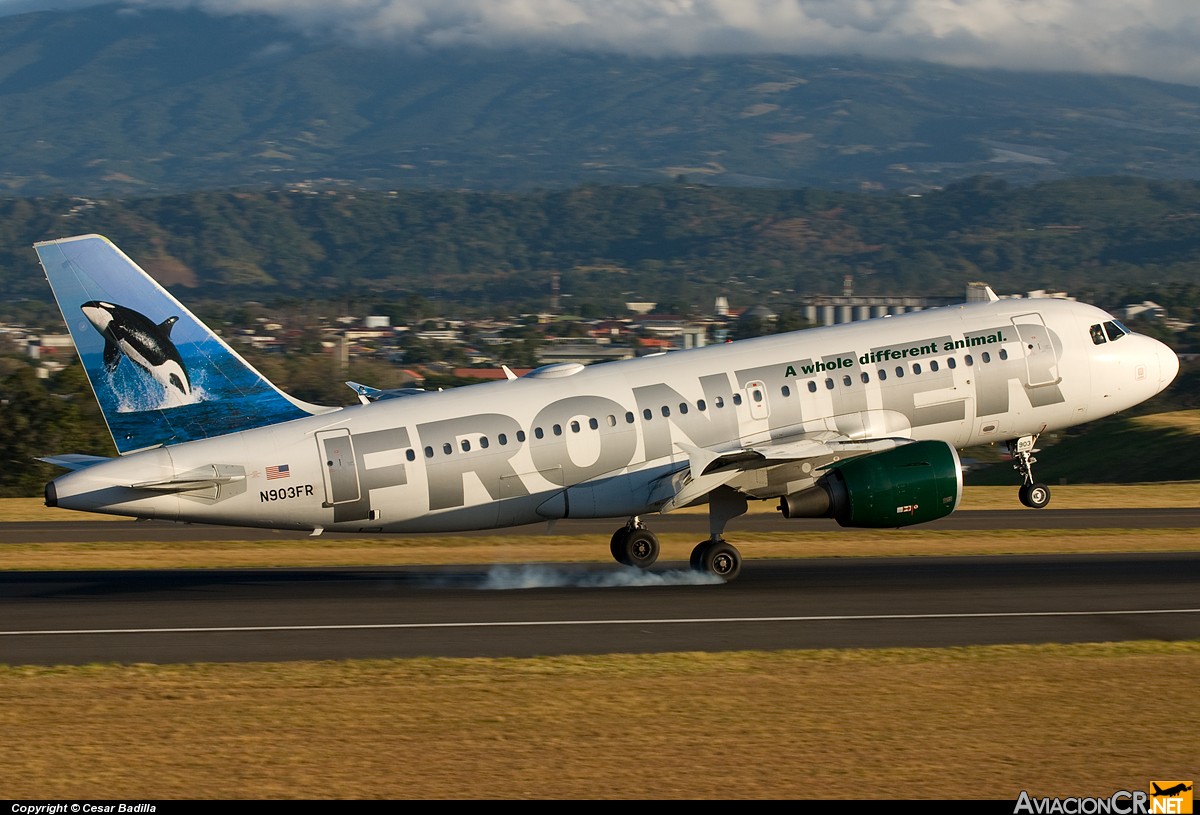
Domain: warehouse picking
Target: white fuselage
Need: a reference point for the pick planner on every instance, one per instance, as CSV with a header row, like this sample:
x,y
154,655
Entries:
x,y
603,441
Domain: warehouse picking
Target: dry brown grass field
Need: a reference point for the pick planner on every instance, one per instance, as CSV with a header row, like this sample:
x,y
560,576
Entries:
x,y
1067,720
959,723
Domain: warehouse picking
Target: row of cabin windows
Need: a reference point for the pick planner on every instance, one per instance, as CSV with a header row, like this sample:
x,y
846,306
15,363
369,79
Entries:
x,y
882,374
719,402
575,427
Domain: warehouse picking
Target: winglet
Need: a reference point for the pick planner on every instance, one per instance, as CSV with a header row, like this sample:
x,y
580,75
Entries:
x,y
365,392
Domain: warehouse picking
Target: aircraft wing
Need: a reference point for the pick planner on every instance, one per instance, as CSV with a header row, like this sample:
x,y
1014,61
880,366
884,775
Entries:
x,y
709,469
813,447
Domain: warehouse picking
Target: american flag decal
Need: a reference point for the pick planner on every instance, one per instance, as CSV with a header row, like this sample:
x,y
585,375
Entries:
x,y
278,471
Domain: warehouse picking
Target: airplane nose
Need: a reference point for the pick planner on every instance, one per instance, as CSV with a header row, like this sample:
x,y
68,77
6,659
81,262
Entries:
x,y
1168,366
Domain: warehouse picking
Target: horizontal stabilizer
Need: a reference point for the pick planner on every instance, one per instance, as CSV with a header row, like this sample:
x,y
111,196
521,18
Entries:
x,y
73,461
211,475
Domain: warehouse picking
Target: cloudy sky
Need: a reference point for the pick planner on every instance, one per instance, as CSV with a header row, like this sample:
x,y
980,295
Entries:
x,y
1159,39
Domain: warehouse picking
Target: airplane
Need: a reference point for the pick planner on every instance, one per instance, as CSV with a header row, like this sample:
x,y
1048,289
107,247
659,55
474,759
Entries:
x,y
1170,792
858,422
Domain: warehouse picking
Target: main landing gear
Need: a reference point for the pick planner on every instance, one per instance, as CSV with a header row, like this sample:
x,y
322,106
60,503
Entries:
x,y
635,545
717,557
1032,494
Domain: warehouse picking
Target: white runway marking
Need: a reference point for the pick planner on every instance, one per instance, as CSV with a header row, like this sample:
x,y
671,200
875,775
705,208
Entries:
x,y
661,621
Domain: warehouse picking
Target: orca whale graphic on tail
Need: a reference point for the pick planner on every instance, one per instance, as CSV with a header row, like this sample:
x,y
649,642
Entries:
x,y
184,382
134,336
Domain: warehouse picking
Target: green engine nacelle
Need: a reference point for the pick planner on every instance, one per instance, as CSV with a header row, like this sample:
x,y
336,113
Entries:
x,y
911,484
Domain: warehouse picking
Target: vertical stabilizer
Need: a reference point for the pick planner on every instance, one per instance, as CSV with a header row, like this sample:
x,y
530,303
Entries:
x,y
160,375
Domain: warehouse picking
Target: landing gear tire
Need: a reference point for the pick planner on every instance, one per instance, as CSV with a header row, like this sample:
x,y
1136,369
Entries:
x,y
617,544
635,547
718,558
1034,496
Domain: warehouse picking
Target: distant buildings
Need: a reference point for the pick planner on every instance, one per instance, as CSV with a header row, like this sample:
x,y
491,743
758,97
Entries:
x,y
51,352
485,344
1146,310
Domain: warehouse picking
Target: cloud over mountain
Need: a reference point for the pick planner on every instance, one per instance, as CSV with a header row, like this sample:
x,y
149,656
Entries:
x,y
1157,39
1153,38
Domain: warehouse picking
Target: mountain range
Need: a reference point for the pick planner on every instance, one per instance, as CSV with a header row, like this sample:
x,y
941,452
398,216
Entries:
x,y
119,101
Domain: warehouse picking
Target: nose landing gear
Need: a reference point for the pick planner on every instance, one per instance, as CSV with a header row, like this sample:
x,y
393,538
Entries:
x,y
1032,494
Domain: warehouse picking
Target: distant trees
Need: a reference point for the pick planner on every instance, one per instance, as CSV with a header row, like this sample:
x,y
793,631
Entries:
x,y
39,418
429,252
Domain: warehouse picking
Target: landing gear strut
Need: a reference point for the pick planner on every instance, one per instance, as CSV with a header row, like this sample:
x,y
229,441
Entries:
x,y
1032,494
716,556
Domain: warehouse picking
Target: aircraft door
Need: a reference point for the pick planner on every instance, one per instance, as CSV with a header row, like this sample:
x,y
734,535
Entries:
x,y
1041,360
756,396
340,468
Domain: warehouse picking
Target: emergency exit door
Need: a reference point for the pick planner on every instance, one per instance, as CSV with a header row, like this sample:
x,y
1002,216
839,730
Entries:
x,y
341,470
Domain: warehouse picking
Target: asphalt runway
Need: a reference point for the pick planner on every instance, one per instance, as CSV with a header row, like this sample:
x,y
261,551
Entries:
x,y
697,523
290,614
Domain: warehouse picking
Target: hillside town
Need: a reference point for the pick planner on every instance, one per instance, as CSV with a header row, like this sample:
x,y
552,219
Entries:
x,y
449,350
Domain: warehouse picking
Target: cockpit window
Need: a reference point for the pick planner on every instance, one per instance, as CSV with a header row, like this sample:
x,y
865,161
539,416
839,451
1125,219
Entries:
x,y
1108,332
1115,330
